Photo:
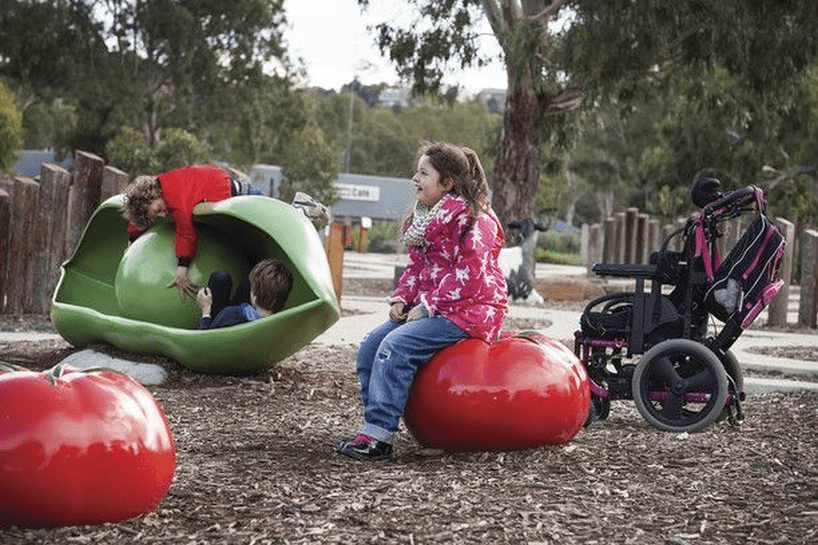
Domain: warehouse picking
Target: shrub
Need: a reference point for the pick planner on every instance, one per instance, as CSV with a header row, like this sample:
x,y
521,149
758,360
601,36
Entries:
x,y
11,129
383,237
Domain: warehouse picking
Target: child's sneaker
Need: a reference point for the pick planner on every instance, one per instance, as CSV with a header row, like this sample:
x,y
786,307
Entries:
x,y
364,447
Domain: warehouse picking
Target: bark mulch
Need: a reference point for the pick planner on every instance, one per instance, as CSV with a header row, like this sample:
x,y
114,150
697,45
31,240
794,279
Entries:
x,y
256,464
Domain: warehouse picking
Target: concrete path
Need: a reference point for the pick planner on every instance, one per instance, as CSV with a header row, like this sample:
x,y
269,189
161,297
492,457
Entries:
x,y
364,313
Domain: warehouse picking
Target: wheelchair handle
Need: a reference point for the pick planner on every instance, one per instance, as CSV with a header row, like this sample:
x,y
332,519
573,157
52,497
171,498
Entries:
x,y
517,224
737,198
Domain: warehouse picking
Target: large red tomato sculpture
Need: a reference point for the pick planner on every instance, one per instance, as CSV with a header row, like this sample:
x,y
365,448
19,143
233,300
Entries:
x,y
521,392
79,447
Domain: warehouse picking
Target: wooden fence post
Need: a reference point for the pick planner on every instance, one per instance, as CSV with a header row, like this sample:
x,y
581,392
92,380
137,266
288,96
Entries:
x,y
55,185
85,193
591,244
654,237
631,235
642,239
777,313
36,297
621,241
808,304
609,241
5,217
335,256
114,182
24,196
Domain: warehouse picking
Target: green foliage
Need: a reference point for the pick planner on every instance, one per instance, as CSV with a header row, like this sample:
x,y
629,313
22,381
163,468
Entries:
x,y
254,123
384,236
440,36
48,123
11,128
557,258
309,165
151,64
384,141
130,152
562,242
179,148
714,94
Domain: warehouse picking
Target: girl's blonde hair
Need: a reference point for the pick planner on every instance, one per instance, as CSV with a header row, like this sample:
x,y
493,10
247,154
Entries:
x,y
138,197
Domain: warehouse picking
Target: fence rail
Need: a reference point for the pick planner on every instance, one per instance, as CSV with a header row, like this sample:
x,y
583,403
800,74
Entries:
x,y
631,237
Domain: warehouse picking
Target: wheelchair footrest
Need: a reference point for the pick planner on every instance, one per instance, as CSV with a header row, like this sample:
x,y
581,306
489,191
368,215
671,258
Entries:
x,y
630,270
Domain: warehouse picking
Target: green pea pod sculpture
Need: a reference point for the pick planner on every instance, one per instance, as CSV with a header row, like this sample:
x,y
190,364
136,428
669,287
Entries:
x,y
116,293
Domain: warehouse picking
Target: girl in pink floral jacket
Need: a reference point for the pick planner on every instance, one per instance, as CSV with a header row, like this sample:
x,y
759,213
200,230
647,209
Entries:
x,y
452,288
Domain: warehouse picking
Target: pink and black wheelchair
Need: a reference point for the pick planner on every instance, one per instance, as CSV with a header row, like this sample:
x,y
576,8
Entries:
x,y
666,345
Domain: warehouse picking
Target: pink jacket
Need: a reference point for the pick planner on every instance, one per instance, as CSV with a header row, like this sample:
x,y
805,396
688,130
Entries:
x,y
455,272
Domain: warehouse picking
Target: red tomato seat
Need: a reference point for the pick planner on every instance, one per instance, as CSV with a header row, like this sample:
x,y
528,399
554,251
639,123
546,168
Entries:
x,y
523,391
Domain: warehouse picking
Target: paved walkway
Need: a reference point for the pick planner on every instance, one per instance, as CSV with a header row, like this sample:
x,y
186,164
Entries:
x,y
364,313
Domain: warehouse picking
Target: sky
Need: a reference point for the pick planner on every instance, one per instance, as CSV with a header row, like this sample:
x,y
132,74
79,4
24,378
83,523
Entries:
x,y
332,39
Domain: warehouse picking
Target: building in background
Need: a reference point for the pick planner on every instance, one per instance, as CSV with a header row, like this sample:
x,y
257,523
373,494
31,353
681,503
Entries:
x,y
30,161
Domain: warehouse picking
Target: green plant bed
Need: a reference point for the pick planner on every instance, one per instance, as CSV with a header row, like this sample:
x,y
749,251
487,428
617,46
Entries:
x,y
557,258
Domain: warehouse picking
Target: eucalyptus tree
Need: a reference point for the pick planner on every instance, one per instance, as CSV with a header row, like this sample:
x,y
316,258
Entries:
x,y
561,54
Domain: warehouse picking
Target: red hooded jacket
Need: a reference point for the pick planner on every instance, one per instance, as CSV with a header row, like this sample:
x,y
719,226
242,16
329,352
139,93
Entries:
x,y
182,189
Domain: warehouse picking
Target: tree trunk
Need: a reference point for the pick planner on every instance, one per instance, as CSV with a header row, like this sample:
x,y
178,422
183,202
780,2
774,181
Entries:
x,y
517,166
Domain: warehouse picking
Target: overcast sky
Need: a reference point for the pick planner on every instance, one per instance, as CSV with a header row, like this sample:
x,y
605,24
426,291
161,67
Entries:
x,y
332,39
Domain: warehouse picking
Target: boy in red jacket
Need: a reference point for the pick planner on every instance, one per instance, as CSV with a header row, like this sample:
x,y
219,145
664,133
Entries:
x,y
174,194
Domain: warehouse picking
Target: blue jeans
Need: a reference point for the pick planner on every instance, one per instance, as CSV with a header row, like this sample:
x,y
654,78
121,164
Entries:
x,y
388,359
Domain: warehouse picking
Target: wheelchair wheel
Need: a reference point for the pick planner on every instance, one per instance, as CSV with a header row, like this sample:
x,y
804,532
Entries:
x,y
735,380
680,385
599,409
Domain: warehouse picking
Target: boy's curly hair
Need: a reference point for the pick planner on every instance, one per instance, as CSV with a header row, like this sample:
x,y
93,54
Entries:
x,y
138,197
271,282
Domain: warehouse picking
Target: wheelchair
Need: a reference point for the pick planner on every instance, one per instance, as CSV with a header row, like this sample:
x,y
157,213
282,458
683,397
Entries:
x,y
666,345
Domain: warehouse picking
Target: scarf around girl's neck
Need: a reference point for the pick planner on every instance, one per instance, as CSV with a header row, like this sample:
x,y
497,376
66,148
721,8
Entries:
x,y
416,233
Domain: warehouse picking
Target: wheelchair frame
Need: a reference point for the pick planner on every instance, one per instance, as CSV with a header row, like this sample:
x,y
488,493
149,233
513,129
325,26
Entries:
x,y
684,379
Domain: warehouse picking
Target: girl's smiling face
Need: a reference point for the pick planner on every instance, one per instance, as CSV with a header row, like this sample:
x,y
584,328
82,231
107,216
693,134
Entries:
x,y
428,183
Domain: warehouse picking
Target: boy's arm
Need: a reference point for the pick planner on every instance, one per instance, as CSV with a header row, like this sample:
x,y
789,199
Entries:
x,y
232,315
134,232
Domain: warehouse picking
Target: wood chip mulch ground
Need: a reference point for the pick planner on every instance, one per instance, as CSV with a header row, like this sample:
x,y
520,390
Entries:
x,y
256,464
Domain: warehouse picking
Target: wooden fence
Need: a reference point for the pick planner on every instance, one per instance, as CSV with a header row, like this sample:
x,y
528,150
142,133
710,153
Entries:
x,y
631,237
41,220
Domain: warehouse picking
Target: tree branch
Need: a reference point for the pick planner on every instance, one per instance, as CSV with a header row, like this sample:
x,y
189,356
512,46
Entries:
x,y
494,13
565,100
548,11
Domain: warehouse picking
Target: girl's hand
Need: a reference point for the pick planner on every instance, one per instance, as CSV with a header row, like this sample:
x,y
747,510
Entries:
x,y
416,313
205,300
396,313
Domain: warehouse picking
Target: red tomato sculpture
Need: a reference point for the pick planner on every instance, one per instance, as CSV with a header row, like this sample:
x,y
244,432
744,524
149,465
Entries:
x,y
521,392
79,447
